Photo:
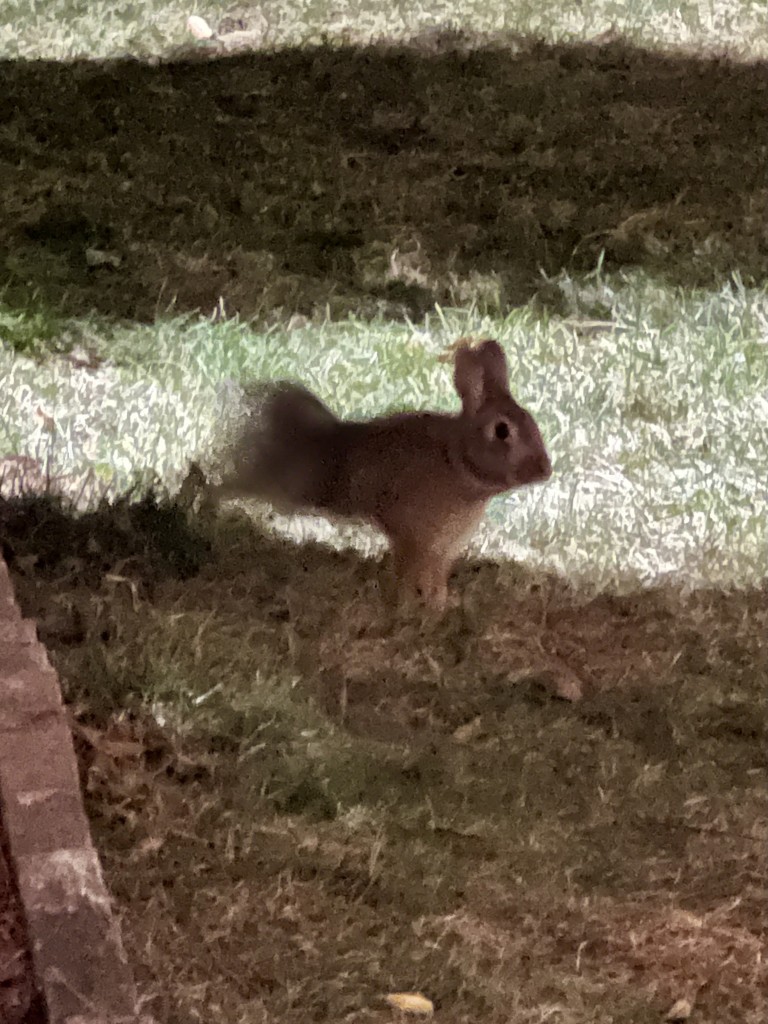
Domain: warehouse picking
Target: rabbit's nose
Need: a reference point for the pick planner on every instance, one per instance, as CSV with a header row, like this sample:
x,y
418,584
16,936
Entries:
x,y
536,467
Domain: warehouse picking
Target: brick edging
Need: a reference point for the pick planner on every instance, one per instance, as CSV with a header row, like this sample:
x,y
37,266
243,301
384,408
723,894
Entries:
x,y
77,951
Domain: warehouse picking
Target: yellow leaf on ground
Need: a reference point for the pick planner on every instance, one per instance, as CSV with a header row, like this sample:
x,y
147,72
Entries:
x,y
682,1010
411,1002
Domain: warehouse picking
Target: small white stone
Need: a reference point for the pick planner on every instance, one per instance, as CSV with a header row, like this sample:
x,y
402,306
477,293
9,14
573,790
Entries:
x,y
199,27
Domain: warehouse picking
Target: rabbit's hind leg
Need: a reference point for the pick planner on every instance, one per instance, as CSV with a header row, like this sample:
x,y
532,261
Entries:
x,y
196,491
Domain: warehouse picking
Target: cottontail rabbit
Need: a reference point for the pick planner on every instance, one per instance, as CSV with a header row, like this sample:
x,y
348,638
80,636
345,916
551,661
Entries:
x,y
424,478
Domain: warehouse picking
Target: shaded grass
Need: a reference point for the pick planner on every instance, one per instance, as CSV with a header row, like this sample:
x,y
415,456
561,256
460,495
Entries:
x,y
35,331
325,181
302,804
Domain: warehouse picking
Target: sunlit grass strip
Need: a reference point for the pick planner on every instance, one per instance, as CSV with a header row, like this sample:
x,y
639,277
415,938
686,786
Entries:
x,y
656,414
64,29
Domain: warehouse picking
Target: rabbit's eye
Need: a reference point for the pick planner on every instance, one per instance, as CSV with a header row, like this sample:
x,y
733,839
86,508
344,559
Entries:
x,y
502,430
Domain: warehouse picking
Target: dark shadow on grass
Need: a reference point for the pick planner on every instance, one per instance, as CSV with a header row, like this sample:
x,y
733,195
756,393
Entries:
x,y
148,539
558,826
370,670
375,180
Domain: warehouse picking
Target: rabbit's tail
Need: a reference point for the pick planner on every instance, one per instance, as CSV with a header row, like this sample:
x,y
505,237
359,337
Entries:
x,y
291,413
284,449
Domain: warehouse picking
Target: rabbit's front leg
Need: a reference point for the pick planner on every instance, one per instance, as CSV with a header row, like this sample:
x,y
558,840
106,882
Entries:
x,y
421,573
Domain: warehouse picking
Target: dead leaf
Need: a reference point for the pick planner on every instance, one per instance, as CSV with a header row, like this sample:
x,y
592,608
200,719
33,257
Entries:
x,y
102,258
468,731
150,845
681,1010
411,1002
49,423
115,749
567,685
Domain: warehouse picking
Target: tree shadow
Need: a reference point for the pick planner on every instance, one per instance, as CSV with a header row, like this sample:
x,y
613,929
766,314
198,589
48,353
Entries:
x,y
647,794
375,180
653,662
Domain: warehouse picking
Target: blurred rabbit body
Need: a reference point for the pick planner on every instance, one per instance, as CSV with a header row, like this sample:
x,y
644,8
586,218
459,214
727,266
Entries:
x,y
423,478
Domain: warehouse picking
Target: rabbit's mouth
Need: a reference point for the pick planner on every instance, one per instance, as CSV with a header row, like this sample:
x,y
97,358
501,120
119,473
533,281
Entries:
x,y
486,482
532,469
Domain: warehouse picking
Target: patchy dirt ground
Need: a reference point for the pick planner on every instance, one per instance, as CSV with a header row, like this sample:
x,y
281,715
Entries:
x,y
304,804
18,1000
375,179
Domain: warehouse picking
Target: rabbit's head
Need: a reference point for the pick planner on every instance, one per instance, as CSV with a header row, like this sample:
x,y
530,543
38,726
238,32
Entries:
x,y
502,447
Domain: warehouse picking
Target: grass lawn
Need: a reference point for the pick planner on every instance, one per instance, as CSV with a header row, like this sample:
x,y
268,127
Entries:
x,y
302,804
100,28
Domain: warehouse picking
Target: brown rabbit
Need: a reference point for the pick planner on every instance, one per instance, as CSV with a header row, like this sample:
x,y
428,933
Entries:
x,y
424,478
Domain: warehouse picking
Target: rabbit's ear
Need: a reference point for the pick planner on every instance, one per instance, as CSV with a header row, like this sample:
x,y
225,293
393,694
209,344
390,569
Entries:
x,y
480,373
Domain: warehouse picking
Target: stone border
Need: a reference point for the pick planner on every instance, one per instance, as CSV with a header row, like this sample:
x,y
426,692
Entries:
x,y
77,951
